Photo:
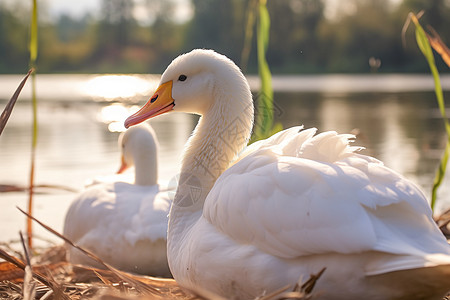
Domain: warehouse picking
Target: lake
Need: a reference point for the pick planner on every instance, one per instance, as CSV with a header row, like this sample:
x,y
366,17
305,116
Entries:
x,y
395,117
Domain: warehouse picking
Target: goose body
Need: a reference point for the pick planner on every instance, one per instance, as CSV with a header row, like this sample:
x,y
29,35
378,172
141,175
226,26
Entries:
x,y
125,224
248,221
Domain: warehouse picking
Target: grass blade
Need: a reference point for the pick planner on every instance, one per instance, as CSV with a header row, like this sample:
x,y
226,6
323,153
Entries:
x,y
440,173
425,47
10,105
438,45
33,45
46,188
29,286
265,105
251,12
264,127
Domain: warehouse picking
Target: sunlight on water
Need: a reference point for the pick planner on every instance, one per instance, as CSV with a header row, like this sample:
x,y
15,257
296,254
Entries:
x,y
137,87
111,87
115,114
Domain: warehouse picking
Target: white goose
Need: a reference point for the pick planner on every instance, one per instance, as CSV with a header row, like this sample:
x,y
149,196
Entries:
x,y
287,206
124,224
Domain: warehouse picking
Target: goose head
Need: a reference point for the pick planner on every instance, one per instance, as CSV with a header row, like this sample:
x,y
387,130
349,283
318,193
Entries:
x,y
138,148
197,82
209,84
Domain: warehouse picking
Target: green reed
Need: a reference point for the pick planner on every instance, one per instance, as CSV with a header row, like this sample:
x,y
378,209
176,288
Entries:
x,y
423,42
33,47
264,126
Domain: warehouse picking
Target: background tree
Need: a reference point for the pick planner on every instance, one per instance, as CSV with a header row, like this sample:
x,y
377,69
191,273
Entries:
x,y
305,38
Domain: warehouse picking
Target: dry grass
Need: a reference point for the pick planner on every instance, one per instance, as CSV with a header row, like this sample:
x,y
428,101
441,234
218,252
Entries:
x,y
52,277
443,222
48,275
55,278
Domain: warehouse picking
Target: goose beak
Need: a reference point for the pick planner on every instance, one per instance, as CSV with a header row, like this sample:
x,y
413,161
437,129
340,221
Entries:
x,y
161,102
123,166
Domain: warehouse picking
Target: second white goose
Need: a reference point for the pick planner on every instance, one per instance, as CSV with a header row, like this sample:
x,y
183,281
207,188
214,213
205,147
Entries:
x,y
125,224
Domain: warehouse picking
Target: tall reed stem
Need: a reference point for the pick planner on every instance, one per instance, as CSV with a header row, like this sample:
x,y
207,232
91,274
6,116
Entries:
x,y
33,45
425,47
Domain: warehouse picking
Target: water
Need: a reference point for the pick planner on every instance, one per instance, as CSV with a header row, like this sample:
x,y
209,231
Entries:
x,y
395,117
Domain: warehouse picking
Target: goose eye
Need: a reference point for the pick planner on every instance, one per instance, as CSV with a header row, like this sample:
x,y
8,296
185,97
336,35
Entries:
x,y
182,77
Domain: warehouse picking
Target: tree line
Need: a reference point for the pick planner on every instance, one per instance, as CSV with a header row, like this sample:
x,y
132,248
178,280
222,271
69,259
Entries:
x,y
364,36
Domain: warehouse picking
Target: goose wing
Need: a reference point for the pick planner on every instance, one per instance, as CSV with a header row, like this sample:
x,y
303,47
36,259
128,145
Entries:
x,y
297,194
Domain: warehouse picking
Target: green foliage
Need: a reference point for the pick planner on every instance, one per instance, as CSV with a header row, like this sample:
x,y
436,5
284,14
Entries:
x,y
425,48
217,25
13,41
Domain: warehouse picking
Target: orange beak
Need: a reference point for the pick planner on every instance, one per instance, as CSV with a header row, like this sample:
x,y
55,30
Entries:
x,y
123,166
161,102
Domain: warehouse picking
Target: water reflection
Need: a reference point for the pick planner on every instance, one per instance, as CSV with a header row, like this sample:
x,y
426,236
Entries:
x,y
397,150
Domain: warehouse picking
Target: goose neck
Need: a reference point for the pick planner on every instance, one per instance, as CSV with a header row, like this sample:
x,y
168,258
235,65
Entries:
x,y
146,169
218,138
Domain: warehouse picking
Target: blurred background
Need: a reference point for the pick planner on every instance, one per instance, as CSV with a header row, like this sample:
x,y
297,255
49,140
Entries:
x,y
337,65
143,36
